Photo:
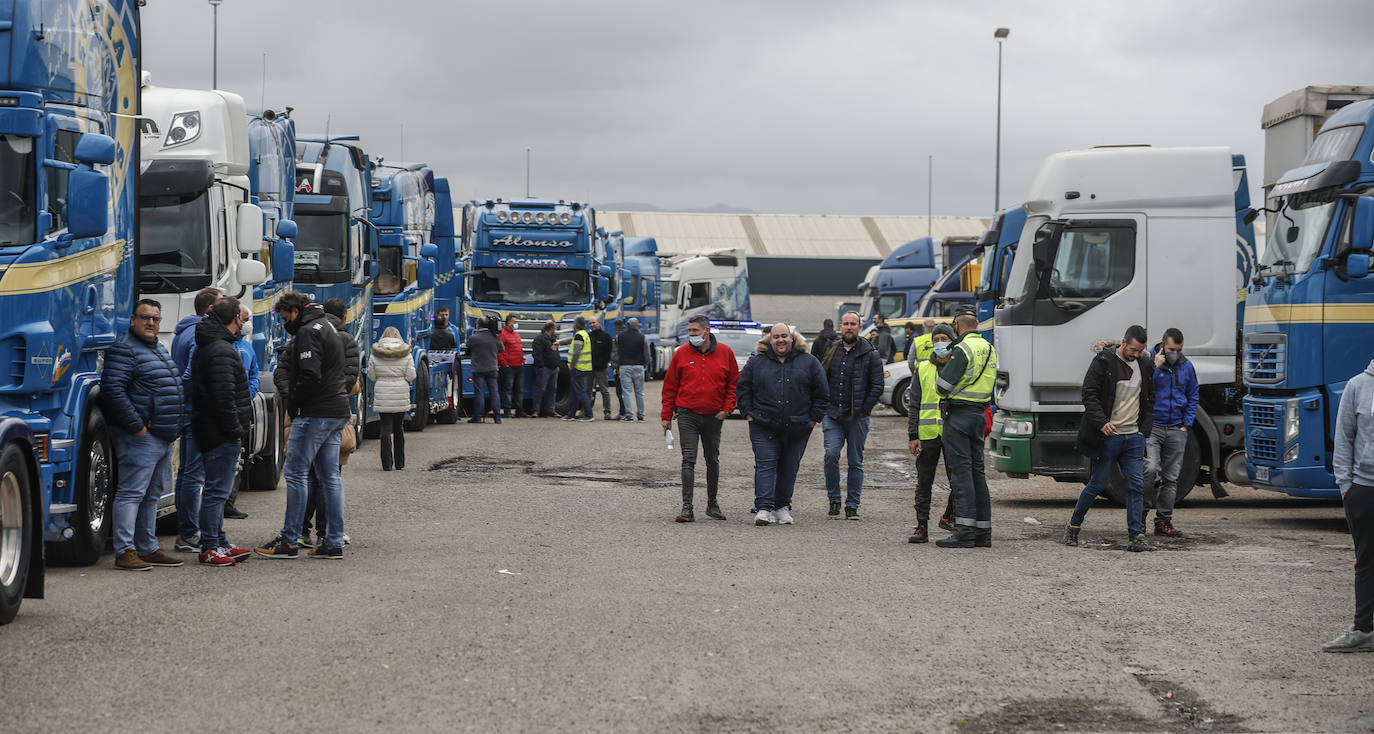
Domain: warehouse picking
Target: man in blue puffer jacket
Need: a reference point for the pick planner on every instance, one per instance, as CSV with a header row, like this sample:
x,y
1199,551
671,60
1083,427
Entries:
x,y
140,389
1176,397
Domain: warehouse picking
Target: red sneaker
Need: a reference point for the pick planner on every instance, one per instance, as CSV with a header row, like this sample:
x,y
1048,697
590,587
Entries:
x,y
216,557
237,553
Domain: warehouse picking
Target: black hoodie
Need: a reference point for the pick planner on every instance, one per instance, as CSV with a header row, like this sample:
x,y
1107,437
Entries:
x,y
315,364
221,408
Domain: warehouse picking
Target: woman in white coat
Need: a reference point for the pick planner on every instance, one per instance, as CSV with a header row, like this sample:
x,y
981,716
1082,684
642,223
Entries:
x,y
393,371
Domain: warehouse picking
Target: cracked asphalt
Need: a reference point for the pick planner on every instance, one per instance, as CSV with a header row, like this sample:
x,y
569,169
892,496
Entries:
x,y
529,577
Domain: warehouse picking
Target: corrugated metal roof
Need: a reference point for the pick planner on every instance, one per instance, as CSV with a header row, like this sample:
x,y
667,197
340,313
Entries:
x,y
786,235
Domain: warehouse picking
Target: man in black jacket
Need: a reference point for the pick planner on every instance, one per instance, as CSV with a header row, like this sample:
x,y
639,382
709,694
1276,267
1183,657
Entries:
x,y
443,338
825,339
317,401
855,372
544,351
222,416
602,345
1118,413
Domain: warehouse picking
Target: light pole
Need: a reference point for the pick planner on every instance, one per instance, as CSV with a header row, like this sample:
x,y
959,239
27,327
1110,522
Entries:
x,y
527,171
1000,34
930,195
214,46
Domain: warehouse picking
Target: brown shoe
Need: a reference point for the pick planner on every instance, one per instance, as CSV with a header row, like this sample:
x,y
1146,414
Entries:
x,y
129,561
158,558
919,535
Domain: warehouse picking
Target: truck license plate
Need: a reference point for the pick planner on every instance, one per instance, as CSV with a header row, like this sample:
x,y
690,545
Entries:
x,y
1261,473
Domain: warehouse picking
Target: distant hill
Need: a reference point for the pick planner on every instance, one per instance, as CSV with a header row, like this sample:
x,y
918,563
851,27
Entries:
x,y
639,206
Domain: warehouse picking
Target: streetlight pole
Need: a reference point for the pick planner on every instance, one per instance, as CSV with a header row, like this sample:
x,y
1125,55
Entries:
x,y
930,195
527,171
214,46
1000,34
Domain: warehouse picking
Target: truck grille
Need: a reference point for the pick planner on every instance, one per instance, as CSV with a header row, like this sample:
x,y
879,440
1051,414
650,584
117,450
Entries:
x,y
1262,430
1263,448
1264,416
1266,358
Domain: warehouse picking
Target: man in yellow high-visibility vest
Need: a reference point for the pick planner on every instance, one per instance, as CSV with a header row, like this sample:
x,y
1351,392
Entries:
x,y
925,425
965,383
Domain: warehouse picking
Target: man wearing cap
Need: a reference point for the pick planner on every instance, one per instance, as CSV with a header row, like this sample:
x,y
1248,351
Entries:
x,y
633,352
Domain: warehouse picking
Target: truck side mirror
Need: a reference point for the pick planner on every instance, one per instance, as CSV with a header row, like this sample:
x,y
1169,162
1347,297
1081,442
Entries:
x,y
250,272
249,236
602,286
459,268
429,250
88,204
283,261
1362,237
1357,264
93,148
425,273
286,229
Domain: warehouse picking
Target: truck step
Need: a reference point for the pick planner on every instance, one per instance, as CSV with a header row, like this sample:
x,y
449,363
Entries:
x,y
60,509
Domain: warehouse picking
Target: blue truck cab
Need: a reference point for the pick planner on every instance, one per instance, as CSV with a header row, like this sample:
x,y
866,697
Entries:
x,y
639,292
1310,307
998,246
897,286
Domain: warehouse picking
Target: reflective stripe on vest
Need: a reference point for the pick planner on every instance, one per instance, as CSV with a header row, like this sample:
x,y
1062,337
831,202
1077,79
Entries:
x,y
981,373
929,424
584,357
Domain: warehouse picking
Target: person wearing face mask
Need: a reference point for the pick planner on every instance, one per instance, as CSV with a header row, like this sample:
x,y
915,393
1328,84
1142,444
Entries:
x,y
244,345
1176,398
699,392
925,426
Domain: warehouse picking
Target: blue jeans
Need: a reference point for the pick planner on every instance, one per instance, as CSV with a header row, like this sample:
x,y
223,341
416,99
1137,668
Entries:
x,y
314,442
512,385
777,456
1128,452
840,432
631,379
190,480
546,390
579,394
221,464
485,386
144,466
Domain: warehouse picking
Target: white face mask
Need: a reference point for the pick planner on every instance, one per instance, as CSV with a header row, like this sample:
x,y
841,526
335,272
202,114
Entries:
x,y
697,341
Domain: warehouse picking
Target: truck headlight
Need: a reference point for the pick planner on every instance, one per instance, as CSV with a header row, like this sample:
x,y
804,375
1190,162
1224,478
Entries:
x,y
1290,420
1291,454
1018,428
565,217
539,218
501,217
527,218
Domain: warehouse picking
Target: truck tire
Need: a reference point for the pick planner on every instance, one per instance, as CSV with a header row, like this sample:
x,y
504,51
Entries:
x,y
899,396
264,472
420,417
95,486
563,395
16,530
1187,476
449,415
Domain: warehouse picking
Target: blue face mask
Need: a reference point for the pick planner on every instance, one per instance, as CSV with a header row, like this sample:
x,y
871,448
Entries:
x,y
941,349
697,341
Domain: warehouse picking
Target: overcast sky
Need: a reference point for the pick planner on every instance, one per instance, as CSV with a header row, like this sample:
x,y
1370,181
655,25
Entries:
x,y
793,106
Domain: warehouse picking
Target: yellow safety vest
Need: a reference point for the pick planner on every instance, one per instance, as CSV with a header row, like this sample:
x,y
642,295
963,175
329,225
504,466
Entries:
x,y
929,423
922,346
981,373
584,357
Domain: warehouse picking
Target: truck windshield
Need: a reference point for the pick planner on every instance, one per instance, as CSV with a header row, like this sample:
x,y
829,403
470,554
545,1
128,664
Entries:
x,y
668,292
174,239
985,283
321,243
18,190
530,285
892,304
1295,238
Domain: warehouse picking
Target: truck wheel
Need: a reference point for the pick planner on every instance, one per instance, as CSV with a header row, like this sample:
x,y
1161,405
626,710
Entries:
x,y
449,415
16,530
899,396
1187,476
264,472
563,395
95,485
420,417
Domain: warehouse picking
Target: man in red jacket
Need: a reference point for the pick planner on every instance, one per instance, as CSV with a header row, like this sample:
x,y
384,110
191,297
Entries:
x,y
699,390
510,366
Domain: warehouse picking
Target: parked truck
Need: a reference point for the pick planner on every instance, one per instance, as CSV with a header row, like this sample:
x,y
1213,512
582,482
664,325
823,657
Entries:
x,y
68,108
1310,308
714,284
998,244
1105,234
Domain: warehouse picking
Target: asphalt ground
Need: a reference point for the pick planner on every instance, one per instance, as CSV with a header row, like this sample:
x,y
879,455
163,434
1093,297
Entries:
x,y
530,577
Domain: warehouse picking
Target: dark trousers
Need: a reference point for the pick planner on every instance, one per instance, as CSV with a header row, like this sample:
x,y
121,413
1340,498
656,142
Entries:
x,y
926,462
393,441
546,389
777,456
1359,513
486,389
510,378
963,439
695,429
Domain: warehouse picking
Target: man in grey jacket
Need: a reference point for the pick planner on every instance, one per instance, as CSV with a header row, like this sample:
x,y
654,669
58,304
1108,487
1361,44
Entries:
x,y
1353,462
483,346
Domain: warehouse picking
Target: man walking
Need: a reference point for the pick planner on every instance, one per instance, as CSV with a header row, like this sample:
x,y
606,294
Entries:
x,y
602,345
580,361
222,416
925,425
699,391
317,401
1176,398
510,369
881,338
1353,462
965,383
855,372
825,339
191,467
140,389
1118,412
483,348
544,353
634,355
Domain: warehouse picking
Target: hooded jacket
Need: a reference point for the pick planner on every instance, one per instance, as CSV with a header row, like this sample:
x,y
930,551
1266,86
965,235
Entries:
x,y
313,379
701,380
394,371
825,339
856,379
1099,394
140,387
1176,393
183,339
787,395
222,409
1353,459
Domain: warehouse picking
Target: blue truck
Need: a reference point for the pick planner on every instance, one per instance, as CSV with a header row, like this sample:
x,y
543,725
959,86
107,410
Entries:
x,y
639,293
405,201
998,244
895,287
1309,310
68,110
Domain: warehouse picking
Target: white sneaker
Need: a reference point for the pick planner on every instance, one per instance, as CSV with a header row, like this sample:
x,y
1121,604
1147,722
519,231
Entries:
x,y
782,516
1352,640
765,517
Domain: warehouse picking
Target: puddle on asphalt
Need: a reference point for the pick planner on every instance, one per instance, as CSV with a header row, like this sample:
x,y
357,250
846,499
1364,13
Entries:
x,y
558,475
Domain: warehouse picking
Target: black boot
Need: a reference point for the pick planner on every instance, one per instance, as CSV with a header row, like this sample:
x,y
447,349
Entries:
x,y
921,535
